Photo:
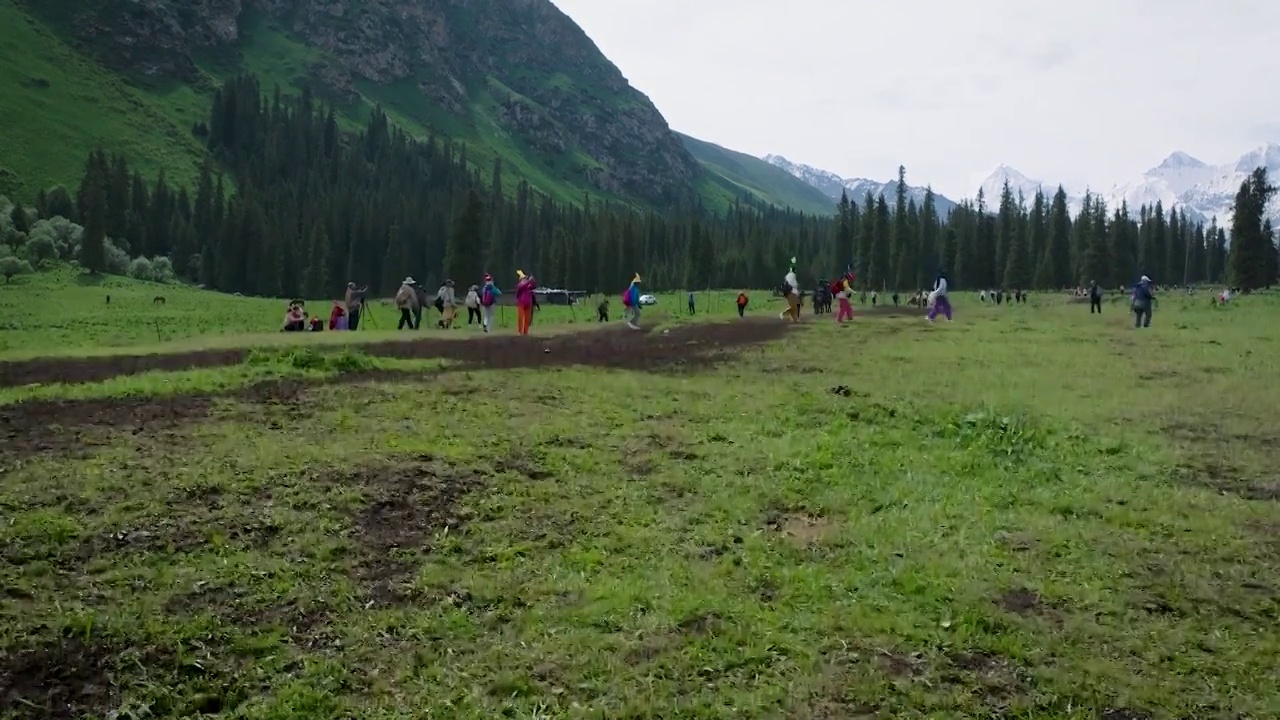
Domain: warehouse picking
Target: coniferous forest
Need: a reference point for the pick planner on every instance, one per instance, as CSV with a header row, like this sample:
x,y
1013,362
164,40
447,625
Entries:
x,y
292,204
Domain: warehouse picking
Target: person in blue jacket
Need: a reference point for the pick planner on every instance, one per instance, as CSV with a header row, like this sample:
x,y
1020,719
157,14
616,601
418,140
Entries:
x,y
1143,298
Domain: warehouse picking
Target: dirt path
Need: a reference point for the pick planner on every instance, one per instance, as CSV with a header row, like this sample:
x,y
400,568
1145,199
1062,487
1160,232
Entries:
x,y
69,426
616,346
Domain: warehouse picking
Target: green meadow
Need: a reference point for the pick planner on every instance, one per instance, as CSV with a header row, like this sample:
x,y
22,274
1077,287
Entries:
x,y
1028,512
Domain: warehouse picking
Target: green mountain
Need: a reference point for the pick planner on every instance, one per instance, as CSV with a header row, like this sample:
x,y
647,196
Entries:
x,y
516,82
740,174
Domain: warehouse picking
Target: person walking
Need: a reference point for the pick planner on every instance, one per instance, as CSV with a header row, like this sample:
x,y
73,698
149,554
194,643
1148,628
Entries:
x,y
631,303
489,294
473,305
692,310
1143,298
524,302
447,299
792,286
1095,298
742,304
602,310
844,291
407,302
938,301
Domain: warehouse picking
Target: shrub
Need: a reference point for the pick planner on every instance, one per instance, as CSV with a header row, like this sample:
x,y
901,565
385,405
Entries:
x,y
11,266
140,269
64,234
117,260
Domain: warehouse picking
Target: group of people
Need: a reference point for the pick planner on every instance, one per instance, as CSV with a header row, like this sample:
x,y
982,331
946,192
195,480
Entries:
x,y
1000,297
412,299
842,291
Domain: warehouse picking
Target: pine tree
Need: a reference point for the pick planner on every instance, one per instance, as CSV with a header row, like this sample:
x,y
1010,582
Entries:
x,y
933,252
1175,250
1272,254
1248,260
464,253
1007,219
19,219
878,272
902,259
93,199
1039,226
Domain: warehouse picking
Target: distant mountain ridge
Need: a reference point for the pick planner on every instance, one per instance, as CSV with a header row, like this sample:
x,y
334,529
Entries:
x,y
744,174
1180,181
1206,192
832,185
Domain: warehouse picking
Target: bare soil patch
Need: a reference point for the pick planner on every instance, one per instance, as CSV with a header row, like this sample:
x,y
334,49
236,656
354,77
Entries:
x,y
62,427
71,678
1226,478
697,345
801,528
409,502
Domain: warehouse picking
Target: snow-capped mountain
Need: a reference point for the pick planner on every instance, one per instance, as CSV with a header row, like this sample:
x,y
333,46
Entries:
x,y
833,185
993,187
1181,181
1214,195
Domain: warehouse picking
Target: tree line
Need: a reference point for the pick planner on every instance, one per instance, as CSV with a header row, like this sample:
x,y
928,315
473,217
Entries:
x,y
291,203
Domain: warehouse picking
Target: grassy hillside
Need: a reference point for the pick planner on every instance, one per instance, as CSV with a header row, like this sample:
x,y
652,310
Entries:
x,y
58,105
740,174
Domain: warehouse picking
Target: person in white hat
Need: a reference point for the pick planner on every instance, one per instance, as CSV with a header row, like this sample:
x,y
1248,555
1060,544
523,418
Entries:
x,y
407,301
1143,298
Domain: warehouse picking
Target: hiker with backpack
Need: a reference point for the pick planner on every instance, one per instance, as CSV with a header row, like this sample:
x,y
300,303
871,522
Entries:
x,y
489,294
631,303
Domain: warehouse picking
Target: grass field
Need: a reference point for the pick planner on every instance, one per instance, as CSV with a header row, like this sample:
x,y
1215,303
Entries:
x,y
1029,512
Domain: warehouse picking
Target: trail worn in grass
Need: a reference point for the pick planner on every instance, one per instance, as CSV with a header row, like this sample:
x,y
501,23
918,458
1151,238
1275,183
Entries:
x,y
1025,513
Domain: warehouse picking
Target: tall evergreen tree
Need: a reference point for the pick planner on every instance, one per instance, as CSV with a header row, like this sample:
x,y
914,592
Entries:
x,y
1248,260
93,189
464,255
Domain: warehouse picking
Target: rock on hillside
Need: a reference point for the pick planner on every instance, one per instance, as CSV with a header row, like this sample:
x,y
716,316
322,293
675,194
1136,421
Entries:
x,y
522,64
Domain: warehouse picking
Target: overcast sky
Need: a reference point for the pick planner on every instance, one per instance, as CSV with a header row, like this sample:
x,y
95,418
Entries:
x,y
1087,92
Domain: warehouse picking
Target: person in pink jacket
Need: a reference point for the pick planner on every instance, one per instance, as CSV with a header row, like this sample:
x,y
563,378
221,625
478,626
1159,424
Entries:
x,y
524,302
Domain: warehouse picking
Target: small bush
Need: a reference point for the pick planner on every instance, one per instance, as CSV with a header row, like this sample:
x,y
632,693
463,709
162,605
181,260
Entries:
x,y
140,269
117,259
11,266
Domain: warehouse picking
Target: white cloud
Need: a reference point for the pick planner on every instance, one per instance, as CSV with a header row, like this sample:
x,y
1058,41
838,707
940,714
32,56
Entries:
x,y
1092,92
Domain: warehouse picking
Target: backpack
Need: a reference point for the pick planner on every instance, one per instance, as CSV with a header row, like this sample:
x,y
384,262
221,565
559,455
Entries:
x,y
626,297
486,296
837,287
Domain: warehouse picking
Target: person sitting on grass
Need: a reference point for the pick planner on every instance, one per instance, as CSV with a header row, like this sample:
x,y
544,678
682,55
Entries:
x,y
336,314
317,323
295,320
